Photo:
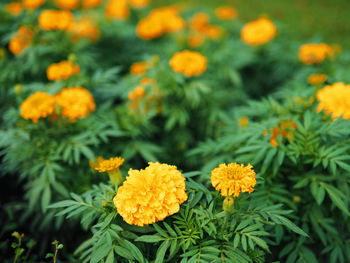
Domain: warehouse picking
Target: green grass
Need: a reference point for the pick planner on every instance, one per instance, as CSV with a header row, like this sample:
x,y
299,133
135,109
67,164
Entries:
x,y
328,19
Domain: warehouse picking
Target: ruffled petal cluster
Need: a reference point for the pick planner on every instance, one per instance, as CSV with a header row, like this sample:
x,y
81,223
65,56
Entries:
x,y
33,4
189,63
151,194
55,19
226,12
258,32
67,4
39,105
75,102
313,53
335,100
117,9
316,79
21,40
107,165
233,179
84,28
90,3
62,70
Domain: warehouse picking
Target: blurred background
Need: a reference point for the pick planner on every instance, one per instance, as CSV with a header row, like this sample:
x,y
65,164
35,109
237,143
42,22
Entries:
x,y
305,19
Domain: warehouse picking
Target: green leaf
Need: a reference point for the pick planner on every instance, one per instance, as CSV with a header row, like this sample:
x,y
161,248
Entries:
x,y
161,252
149,238
336,196
289,224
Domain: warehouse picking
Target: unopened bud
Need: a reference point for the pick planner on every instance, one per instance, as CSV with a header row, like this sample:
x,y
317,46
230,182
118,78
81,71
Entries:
x,y
228,203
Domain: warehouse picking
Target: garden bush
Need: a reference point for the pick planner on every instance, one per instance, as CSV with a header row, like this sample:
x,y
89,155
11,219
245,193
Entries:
x,y
134,133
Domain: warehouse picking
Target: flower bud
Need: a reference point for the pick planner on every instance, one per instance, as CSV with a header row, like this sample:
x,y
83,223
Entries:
x,y
227,204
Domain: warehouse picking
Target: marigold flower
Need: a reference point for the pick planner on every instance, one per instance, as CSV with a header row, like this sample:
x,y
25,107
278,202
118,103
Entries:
x,y
316,79
314,53
117,9
199,21
195,40
84,28
21,40
212,31
137,93
335,100
139,68
39,105
258,32
138,3
243,121
62,70
190,63
55,19
33,4
147,81
90,3
233,179
75,102
151,194
14,8
101,165
149,28
67,4
225,12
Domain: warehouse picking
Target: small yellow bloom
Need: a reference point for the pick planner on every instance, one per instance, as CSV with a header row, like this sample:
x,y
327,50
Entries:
x,y
62,70
39,105
233,179
137,93
67,4
311,54
189,63
335,100
117,9
101,165
140,68
21,40
258,32
55,19
91,3
138,3
151,194
84,28
316,79
225,12
243,121
33,4
14,8
75,102
199,22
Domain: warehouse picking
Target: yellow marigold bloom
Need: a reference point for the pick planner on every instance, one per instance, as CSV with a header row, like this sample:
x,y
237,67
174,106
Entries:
x,y
62,70
14,8
316,79
233,179
213,31
140,68
147,81
258,32
33,4
189,63
243,121
67,4
149,28
90,3
335,100
137,93
39,105
75,102
84,28
225,12
55,19
117,9
21,40
101,165
138,3
151,194
195,40
199,21
314,53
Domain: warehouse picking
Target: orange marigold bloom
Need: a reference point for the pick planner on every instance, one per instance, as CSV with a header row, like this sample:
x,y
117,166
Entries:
x,y
62,70
314,53
199,21
101,165
90,3
195,40
213,31
258,32
75,102
55,19
151,194
67,4
147,81
225,12
138,3
233,179
21,40
39,105
149,28
335,100
117,9
189,63
140,68
316,79
33,4
84,28
137,93
14,8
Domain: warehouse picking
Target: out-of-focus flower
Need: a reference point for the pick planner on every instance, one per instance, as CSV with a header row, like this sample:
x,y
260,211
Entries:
x,y
137,93
111,166
84,28
140,68
149,28
90,3
226,12
33,4
75,102
258,32
335,100
39,105
189,63
285,129
232,179
138,3
213,31
21,40
199,21
243,121
62,70
67,4
315,53
14,8
316,79
117,9
55,19
151,194
195,40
